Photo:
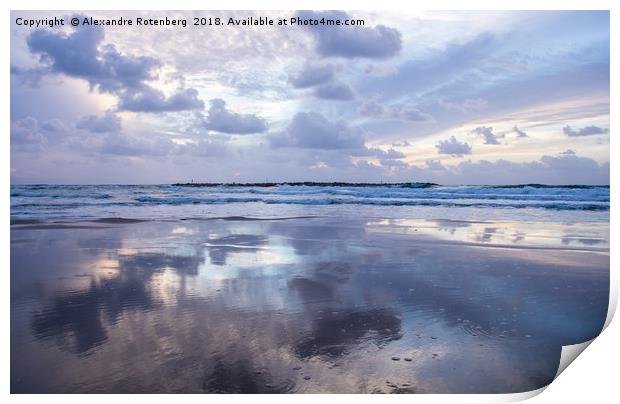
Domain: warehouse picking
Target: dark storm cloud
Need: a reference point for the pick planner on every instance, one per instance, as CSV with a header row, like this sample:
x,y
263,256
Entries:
x,y
453,147
377,42
585,131
222,120
109,122
82,54
312,76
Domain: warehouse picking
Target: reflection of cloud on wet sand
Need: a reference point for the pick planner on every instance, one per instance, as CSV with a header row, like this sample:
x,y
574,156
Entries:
x,y
284,310
74,318
333,334
220,248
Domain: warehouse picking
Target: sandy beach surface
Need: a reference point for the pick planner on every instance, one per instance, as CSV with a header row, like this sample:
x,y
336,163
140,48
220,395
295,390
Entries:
x,y
301,305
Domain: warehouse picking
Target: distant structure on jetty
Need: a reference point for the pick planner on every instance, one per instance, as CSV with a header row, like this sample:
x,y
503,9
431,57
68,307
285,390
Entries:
x,y
308,184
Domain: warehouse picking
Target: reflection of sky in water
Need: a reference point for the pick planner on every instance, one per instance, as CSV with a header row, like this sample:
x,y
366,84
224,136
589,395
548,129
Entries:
x,y
520,234
307,305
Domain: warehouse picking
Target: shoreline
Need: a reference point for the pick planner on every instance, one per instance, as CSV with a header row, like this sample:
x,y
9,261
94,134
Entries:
x,y
413,185
588,236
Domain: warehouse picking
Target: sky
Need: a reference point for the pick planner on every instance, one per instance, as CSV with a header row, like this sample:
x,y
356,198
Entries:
x,y
447,97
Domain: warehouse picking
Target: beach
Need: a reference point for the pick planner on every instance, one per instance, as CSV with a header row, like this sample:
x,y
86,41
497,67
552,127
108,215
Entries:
x,y
315,303
308,201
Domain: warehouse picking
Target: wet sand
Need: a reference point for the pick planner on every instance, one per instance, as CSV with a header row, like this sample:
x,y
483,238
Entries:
x,y
306,305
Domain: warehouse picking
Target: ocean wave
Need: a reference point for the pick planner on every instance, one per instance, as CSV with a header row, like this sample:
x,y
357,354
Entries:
x,y
60,196
146,201
446,194
532,200
545,186
192,200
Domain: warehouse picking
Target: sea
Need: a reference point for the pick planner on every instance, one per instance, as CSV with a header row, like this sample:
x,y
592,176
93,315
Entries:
x,y
302,288
530,202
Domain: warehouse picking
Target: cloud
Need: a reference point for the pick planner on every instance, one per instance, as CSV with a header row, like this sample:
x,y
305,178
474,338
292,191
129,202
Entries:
x,y
389,154
221,120
109,122
372,108
466,105
399,112
411,114
458,76
564,169
25,131
436,74
29,76
390,163
453,147
312,130
53,126
149,99
28,134
312,76
209,148
585,131
559,170
435,165
519,132
487,133
404,143
377,42
124,145
334,91
82,54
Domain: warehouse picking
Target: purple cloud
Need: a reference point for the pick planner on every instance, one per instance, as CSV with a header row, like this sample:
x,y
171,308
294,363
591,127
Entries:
x,y
379,42
222,120
453,147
